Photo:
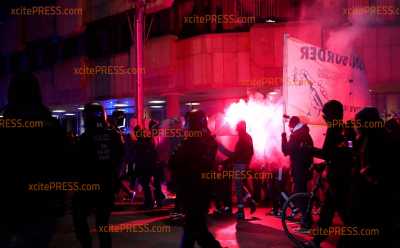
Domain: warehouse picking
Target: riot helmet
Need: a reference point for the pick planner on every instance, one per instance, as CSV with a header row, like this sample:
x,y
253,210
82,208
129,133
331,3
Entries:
x,y
94,116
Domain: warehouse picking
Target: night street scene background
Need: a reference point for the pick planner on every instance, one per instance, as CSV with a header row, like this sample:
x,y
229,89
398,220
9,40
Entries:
x,y
199,123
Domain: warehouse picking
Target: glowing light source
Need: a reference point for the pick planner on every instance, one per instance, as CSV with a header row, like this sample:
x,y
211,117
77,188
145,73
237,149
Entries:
x,y
120,105
192,103
59,111
69,114
157,102
156,107
264,124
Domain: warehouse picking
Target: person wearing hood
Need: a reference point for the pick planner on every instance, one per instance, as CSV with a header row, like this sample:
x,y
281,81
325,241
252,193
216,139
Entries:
x,y
369,183
299,149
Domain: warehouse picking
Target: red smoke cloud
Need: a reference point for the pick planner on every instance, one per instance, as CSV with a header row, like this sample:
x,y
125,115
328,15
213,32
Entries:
x,y
264,123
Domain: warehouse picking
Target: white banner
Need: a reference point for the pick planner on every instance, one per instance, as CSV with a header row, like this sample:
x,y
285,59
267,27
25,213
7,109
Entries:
x,y
313,76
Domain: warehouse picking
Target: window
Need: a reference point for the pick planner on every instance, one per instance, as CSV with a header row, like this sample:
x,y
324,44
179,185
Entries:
x,y
108,36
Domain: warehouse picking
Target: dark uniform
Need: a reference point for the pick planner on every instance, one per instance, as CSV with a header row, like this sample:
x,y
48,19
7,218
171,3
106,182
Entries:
x,y
101,151
192,158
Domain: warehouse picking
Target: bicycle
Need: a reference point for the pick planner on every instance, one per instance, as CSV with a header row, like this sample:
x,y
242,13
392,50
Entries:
x,y
290,210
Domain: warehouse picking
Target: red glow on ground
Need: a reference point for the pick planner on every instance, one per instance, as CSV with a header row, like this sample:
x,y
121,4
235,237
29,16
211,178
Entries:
x,y
264,124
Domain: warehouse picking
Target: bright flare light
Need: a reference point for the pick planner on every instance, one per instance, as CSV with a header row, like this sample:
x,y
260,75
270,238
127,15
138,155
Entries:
x,y
264,123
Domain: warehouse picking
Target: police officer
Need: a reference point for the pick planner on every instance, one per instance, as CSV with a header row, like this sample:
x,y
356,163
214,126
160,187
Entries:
x,y
100,154
196,155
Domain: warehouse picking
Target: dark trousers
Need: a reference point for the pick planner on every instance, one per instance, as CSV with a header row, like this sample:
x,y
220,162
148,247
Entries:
x,y
178,203
223,193
196,230
82,206
274,189
158,176
300,185
258,186
335,200
368,205
144,181
274,194
241,190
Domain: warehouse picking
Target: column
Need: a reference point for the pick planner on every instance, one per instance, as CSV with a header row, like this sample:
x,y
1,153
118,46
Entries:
x,y
173,105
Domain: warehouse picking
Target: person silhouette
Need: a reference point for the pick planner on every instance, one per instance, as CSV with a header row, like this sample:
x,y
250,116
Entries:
x,y
32,148
100,155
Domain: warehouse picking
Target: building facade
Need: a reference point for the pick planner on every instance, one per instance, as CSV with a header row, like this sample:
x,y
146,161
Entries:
x,y
190,61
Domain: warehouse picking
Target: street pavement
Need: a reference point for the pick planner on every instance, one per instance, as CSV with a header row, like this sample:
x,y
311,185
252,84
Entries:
x,y
160,231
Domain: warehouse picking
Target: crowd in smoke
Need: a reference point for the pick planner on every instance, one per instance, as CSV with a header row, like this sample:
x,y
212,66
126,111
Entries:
x,y
103,155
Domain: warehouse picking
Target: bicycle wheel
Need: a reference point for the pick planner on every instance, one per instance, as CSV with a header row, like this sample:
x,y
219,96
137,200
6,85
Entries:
x,y
292,217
